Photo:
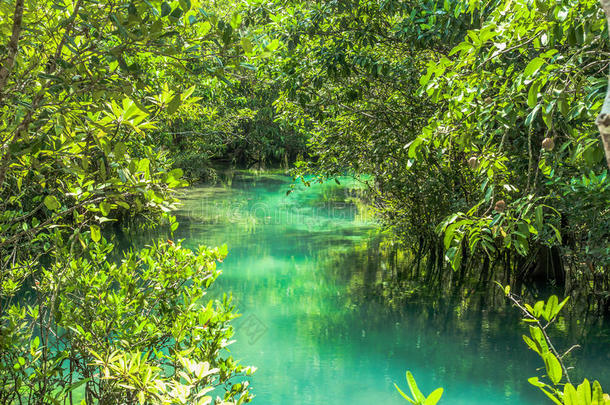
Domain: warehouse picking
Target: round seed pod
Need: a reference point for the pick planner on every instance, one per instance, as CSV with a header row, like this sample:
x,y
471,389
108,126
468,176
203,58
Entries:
x,y
548,144
473,163
500,206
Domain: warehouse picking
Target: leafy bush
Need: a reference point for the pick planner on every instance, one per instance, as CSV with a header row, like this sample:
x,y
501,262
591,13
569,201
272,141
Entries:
x,y
82,86
475,119
138,331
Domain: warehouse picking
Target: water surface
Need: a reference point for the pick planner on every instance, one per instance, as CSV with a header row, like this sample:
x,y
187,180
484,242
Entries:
x,y
299,268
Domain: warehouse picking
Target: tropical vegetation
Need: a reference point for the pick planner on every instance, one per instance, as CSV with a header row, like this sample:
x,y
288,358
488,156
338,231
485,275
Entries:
x,y
475,127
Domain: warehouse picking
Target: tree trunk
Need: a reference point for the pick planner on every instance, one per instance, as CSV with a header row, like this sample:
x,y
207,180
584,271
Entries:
x,y
12,46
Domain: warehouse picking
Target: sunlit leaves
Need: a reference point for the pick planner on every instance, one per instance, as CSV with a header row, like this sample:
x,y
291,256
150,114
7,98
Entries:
x,y
95,233
173,104
52,203
417,397
553,367
533,66
87,89
246,43
522,69
556,371
127,113
135,360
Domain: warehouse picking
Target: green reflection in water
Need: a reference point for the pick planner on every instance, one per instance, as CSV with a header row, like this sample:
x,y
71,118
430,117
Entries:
x,y
299,267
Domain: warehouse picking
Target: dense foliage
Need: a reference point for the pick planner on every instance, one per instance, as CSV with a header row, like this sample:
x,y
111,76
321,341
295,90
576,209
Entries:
x,y
475,119
234,122
82,85
138,331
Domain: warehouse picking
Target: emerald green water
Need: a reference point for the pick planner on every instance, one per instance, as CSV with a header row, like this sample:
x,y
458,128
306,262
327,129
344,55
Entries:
x,y
299,268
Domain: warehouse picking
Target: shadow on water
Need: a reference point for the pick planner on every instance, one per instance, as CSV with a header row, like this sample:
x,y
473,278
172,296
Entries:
x,y
325,320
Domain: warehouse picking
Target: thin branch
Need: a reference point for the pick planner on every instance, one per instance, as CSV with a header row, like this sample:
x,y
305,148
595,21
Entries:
x,y
535,320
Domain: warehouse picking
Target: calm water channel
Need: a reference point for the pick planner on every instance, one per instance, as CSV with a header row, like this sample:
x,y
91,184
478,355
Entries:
x,y
298,267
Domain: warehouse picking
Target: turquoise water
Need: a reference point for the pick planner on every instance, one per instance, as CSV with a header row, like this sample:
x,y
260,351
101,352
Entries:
x,y
299,268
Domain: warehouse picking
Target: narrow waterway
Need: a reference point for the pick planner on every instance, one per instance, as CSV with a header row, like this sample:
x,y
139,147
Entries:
x,y
298,267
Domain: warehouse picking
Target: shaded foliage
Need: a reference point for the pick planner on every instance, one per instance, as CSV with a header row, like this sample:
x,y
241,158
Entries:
x,y
475,120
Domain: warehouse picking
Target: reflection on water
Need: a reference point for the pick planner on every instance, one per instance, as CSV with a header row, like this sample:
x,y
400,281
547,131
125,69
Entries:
x,y
301,268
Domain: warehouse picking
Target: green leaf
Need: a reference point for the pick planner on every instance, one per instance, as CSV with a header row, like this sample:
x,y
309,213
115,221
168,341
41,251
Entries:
x,y
449,232
532,94
405,396
539,217
173,105
235,21
538,308
464,46
533,66
96,234
598,393
119,150
176,174
412,147
176,14
561,305
553,367
551,308
569,395
144,166
205,28
105,208
49,77
547,113
434,397
583,392
531,344
77,384
165,9
52,203
185,4
413,387
551,396
536,382
539,340
532,115
561,13
246,44
273,45
123,204
563,105
557,233
188,93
